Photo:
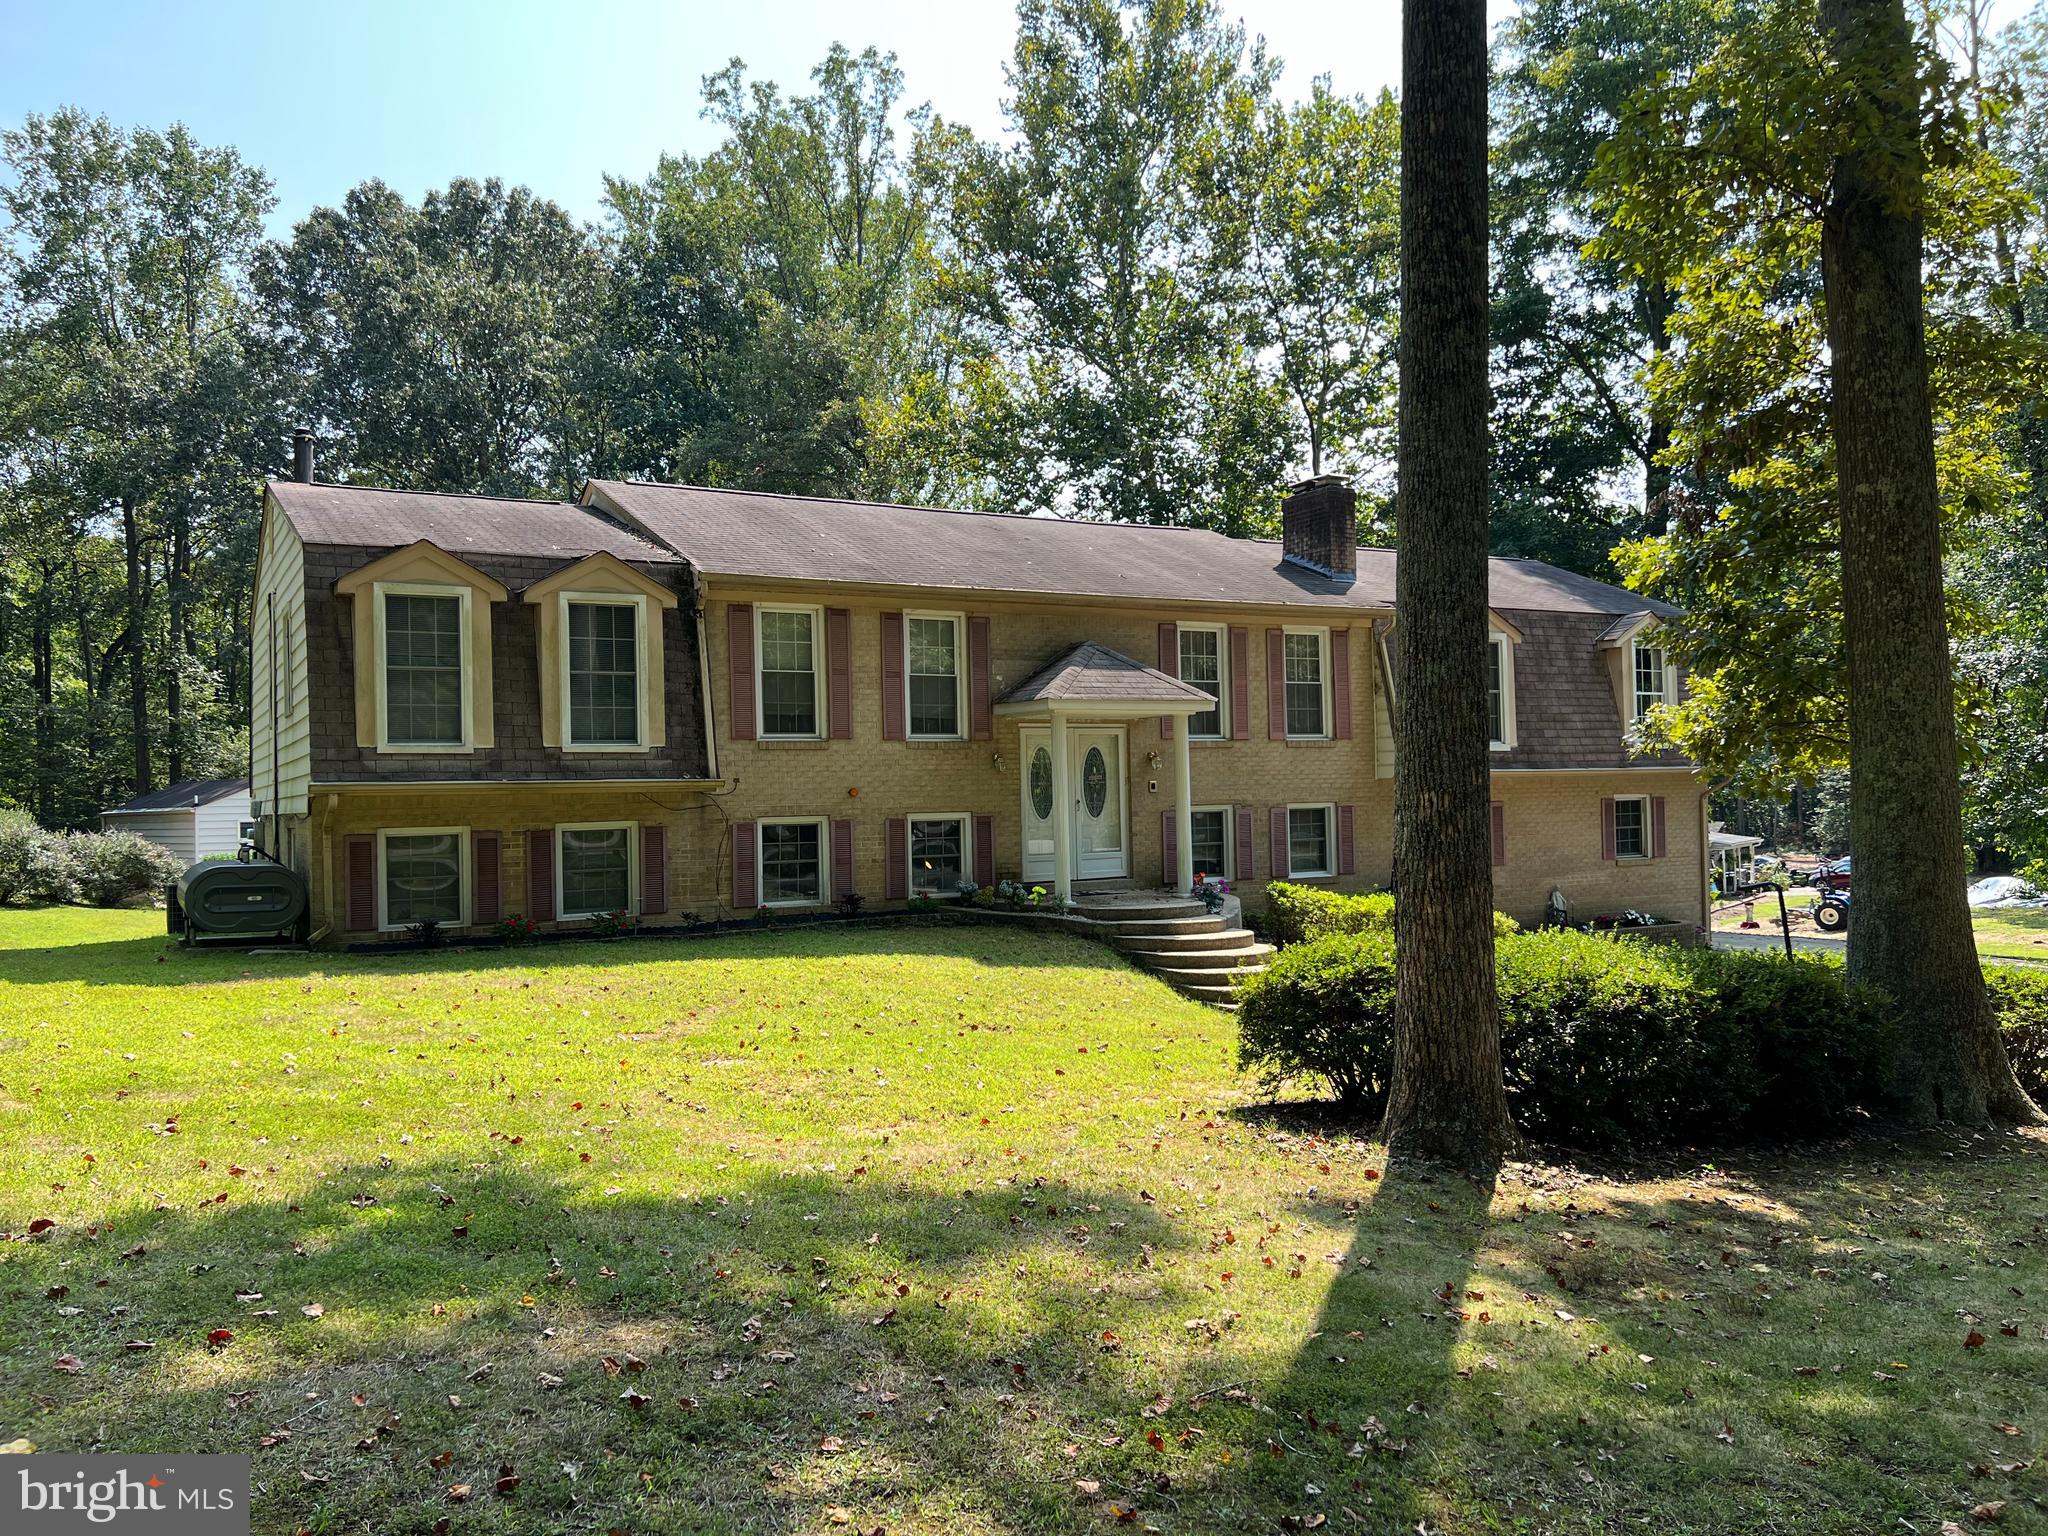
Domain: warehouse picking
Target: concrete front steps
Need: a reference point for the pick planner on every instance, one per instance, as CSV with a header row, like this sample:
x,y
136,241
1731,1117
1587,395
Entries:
x,y
1202,954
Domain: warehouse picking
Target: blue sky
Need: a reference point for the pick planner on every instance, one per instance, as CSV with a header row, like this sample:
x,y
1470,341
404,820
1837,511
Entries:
x,y
550,95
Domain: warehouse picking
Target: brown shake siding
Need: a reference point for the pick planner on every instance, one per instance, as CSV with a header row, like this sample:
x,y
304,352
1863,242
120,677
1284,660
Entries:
x,y
515,661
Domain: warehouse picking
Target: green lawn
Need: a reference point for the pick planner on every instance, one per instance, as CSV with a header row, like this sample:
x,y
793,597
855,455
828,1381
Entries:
x,y
2020,934
935,1229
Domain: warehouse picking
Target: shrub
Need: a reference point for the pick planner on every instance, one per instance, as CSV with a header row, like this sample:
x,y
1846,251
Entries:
x,y
1603,1040
111,868
33,868
2019,997
1323,1009
1299,913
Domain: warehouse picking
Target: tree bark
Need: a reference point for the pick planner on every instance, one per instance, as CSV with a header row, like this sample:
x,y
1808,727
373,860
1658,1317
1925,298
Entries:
x,y
1447,1102
178,645
44,665
1911,933
138,674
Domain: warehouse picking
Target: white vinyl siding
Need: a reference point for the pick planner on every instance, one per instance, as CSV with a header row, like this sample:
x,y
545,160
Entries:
x,y
278,625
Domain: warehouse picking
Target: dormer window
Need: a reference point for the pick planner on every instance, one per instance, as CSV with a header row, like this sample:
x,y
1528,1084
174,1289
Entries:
x,y
602,681
1500,691
421,628
423,646
1653,678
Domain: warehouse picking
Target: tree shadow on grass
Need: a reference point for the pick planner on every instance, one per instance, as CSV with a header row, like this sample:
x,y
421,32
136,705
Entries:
x,y
922,1355
159,960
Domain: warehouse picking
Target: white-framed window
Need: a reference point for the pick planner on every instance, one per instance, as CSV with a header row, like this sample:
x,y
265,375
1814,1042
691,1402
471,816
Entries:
x,y
1311,841
597,868
792,862
1209,834
423,877
1655,680
604,670
941,853
935,675
1306,657
423,660
1631,826
1204,662
1500,691
789,665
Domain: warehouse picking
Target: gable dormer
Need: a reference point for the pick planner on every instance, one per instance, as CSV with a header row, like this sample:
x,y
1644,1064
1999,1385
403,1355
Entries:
x,y
422,651
1639,667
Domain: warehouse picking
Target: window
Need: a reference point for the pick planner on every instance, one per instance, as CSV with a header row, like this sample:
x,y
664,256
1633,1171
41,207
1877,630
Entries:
x,y
1307,705
1201,663
1209,835
792,863
423,669
932,673
1653,678
604,674
1632,826
423,877
1500,691
594,869
1309,843
938,855
790,674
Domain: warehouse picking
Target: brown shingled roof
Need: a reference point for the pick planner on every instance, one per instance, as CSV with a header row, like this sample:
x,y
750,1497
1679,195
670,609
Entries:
x,y
1092,673
811,538
462,525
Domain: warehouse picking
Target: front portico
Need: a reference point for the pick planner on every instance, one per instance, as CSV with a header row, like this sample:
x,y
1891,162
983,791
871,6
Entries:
x,y
1074,720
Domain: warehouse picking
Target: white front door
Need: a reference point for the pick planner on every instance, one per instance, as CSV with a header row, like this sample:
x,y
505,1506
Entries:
x,y
1099,788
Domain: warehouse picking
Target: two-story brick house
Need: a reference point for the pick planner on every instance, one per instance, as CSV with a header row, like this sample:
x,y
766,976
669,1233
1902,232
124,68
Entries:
x,y
671,700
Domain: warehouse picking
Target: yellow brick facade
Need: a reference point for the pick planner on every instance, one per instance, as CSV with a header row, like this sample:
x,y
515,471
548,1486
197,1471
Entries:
x,y
1551,819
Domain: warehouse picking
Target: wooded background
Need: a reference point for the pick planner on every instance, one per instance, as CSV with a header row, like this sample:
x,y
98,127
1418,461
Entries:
x,y
1163,294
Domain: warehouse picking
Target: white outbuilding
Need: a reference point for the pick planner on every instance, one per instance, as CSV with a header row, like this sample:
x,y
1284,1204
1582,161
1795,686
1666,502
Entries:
x,y
193,818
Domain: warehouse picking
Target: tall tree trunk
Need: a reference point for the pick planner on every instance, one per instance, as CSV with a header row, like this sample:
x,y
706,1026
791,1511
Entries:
x,y
1447,1101
1657,302
138,677
1911,934
179,646
44,665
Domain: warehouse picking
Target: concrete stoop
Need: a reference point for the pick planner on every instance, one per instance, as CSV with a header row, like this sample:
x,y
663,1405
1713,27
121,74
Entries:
x,y
1203,955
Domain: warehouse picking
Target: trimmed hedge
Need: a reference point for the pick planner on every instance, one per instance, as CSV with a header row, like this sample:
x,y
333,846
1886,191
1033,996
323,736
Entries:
x,y
2019,997
1603,1041
1295,914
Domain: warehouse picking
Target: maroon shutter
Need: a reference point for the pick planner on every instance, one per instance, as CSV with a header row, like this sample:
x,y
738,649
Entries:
x,y
984,850
744,894
653,868
361,896
1607,829
1279,853
1247,859
896,849
1657,846
839,673
979,701
1240,683
892,677
842,859
1169,663
1169,845
739,656
1347,860
488,903
1499,816
540,875
1340,682
1276,692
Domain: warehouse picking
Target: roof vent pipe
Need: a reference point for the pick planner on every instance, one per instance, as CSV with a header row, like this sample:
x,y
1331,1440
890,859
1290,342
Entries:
x,y
302,455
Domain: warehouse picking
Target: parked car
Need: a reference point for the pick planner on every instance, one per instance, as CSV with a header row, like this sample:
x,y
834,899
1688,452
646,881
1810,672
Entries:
x,y
1831,912
2006,891
1833,876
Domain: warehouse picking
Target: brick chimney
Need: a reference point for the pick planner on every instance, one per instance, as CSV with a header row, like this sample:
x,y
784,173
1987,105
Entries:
x,y
1319,527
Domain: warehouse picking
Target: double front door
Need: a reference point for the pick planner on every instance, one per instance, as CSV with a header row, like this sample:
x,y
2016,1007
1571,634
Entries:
x,y
1096,791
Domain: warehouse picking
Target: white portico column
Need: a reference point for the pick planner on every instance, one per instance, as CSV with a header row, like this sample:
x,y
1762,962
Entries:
x,y
1062,814
1183,811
